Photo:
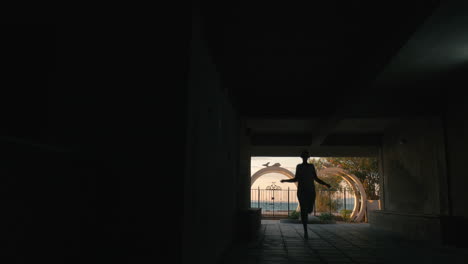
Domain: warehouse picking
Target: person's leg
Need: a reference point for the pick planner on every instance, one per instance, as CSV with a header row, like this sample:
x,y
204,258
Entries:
x,y
304,219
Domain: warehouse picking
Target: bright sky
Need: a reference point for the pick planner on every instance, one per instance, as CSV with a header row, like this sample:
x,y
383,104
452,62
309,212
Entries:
x,y
268,179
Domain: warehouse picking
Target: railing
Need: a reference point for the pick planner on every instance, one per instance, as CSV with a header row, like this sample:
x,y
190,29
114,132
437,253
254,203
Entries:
x,y
281,203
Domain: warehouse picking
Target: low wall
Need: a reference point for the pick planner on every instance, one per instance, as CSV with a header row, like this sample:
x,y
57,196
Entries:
x,y
410,226
442,229
249,222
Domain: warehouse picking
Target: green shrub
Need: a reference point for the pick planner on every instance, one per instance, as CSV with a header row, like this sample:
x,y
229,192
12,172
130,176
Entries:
x,y
325,217
345,214
324,202
294,215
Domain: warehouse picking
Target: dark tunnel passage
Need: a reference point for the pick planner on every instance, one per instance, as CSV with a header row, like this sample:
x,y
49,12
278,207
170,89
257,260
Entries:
x,y
130,143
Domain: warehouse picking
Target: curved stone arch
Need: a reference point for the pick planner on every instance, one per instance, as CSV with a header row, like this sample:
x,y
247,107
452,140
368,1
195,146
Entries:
x,y
358,213
272,169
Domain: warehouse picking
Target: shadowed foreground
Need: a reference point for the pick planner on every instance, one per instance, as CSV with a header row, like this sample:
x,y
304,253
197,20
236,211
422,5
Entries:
x,y
344,243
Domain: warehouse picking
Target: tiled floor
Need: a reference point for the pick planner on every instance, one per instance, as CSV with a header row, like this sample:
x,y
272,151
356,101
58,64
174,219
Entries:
x,y
338,243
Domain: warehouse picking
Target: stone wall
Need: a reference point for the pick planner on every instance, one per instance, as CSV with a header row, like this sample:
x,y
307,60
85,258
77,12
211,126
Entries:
x,y
415,179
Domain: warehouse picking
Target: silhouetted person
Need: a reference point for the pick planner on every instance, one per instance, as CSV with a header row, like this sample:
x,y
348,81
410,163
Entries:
x,y
305,176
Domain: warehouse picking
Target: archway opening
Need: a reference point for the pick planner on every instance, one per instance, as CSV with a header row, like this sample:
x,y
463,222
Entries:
x,y
346,199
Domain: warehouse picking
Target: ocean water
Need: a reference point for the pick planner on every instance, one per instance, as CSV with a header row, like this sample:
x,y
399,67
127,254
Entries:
x,y
283,206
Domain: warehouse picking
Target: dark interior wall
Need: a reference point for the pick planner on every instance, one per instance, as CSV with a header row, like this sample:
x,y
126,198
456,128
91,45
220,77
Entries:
x,y
29,188
28,62
414,167
210,194
87,174
43,198
114,105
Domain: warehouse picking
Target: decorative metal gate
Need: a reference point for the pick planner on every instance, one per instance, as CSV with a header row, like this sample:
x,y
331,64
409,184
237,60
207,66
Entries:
x,y
278,203
274,201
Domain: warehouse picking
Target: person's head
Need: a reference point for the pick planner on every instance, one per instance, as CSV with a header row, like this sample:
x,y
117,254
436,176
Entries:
x,y
305,155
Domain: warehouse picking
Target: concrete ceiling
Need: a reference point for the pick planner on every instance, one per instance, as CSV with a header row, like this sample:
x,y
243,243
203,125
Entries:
x,y
319,77
297,60
300,133
438,48
308,126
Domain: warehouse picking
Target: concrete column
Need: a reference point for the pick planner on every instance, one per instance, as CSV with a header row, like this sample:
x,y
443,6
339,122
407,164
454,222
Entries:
x,y
210,183
382,180
244,167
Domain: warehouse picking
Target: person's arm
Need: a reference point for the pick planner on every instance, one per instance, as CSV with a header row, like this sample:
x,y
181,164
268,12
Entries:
x,y
317,179
293,179
290,180
322,182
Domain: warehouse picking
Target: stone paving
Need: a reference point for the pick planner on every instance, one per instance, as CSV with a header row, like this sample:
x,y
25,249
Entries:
x,y
338,243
